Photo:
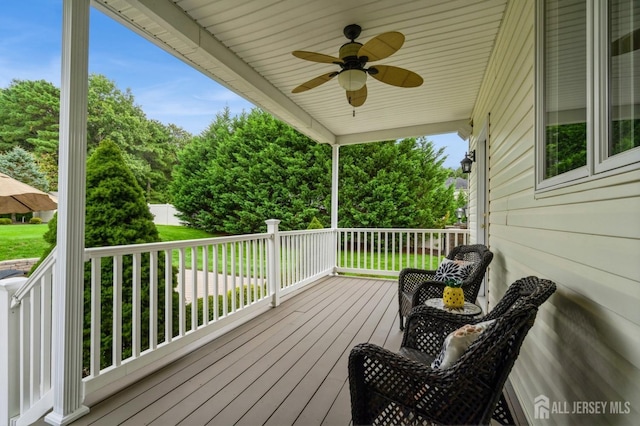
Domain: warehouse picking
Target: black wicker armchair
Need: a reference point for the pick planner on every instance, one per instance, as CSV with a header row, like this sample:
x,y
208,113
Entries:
x,y
392,389
415,286
388,388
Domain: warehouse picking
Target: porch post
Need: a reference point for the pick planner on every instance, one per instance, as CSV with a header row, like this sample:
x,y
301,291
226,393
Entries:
x,y
9,350
273,261
69,280
335,162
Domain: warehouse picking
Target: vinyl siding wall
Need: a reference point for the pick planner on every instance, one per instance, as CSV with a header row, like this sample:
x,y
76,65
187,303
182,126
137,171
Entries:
x,y
585,344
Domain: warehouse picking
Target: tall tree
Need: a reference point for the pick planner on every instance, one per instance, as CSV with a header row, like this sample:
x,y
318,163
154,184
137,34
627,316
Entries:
x,y
393,184
29,119
117,214
247,169
250,168
20,165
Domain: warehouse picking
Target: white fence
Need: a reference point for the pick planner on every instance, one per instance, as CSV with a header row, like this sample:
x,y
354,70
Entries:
x,y
148,304
164,214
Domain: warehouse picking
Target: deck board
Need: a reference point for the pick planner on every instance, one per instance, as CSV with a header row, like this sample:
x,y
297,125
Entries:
x,y
288,366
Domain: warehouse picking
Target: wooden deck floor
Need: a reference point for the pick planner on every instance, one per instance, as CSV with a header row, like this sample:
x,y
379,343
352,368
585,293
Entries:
x,y
286,367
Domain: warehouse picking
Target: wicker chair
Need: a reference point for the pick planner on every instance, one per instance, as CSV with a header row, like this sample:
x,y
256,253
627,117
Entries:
x,y
423,338
389,388
415,286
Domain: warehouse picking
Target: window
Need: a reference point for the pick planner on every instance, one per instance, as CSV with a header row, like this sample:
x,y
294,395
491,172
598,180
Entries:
x,y
588,89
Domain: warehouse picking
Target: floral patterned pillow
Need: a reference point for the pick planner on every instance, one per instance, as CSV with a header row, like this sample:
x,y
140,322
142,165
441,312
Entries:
x,y
457,270
458,342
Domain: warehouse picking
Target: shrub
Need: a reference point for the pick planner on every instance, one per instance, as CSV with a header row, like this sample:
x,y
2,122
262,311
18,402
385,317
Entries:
x,y
35,221
315,224
5,221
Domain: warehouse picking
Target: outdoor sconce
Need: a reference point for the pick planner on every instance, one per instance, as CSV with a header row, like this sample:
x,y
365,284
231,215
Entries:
x,y
467,161
459,214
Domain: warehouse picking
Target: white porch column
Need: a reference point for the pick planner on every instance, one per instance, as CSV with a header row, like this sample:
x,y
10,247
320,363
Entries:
x,y
69,280
335,163
273,264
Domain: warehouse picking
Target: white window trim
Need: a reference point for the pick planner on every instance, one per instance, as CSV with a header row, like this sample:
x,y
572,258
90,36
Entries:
x,y
599,164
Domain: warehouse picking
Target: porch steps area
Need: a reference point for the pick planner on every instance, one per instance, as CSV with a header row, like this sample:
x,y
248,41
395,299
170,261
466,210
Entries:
x,y
286,367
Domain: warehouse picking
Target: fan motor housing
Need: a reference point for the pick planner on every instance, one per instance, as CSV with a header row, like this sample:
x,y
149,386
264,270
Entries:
x,y
349,54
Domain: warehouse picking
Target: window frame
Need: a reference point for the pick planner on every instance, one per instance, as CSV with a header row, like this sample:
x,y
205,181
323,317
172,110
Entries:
x,y
599,164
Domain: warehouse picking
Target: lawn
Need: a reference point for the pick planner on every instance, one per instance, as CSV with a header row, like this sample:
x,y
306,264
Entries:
x,y
25,241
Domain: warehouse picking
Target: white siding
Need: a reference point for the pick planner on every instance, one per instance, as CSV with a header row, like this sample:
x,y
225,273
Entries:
x,y
585,344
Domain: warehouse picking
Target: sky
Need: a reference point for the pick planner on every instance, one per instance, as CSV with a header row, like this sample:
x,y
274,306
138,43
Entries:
x,y
167,89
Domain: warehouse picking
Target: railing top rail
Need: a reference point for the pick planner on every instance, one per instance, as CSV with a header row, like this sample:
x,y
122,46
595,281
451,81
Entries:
x,y
46,264
165,245
307,231
406,230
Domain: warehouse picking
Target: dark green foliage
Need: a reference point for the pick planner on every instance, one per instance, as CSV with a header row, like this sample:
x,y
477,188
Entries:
x,y
625,135
566,148
29,119
117,214
245,170
393,185
20,165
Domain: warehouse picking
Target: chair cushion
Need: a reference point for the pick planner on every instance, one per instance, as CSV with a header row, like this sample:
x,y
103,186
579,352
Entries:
x,y
453,270
457,342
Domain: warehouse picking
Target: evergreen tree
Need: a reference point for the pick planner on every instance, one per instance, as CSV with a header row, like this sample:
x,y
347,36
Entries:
x,y
29,119
247,169
20,165
117,214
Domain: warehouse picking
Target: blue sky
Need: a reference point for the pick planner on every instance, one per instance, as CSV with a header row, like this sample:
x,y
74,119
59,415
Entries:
x,y
164,87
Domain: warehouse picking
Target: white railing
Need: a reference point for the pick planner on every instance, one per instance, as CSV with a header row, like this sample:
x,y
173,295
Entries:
x,y
305,256
151,303
26,362
386,252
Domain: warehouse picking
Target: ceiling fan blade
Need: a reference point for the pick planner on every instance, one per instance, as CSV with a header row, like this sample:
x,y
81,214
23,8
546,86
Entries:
x,y
382,46
627,43
357,97
395,76
315,82
316,57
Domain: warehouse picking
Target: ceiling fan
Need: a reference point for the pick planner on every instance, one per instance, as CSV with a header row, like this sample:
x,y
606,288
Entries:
x,y
354,56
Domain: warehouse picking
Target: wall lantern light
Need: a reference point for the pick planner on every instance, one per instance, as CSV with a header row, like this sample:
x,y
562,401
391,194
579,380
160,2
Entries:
x,y
467,161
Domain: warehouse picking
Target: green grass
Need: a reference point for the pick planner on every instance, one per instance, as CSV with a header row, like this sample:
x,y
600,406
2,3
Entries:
x,y
25,241
22,241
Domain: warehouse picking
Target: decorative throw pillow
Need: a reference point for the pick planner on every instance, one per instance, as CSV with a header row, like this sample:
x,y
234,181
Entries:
x,y
453,270
457,342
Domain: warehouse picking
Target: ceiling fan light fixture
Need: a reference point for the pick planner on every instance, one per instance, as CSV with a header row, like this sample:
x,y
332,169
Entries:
x,y
352,80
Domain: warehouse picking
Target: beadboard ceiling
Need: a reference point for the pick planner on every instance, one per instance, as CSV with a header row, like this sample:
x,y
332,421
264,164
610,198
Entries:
x,y
246,46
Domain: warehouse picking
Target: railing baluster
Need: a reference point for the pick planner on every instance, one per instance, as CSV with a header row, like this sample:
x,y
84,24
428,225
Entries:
x,y
168,295
205,285
194,288
153,300
135,308
182,318
117,311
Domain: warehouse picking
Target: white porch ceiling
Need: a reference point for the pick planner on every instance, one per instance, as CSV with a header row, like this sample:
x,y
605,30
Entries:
x,y
246,46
